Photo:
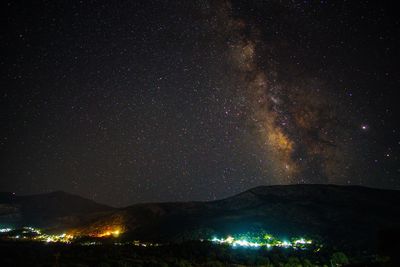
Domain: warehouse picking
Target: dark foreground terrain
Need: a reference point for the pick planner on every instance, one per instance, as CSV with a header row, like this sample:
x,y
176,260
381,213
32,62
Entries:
x,y
363,223
193,253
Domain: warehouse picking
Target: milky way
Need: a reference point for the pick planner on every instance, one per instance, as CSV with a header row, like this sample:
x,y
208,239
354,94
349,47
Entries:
x,y
295,120
137,101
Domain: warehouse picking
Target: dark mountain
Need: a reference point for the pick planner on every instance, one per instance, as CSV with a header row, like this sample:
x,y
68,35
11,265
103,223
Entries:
x,y
45,210
338,215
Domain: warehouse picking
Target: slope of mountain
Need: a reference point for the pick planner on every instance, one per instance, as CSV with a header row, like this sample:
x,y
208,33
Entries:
x,y
44,210
340,215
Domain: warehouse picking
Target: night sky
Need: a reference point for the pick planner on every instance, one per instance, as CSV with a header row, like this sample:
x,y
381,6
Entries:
x,y
136,101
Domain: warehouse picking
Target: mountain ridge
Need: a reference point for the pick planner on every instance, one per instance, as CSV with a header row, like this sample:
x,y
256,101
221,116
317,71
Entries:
x,y
5,194
339,214
43,209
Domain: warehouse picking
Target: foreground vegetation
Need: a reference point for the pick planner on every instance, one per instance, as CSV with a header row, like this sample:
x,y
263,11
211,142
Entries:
x,y
193,253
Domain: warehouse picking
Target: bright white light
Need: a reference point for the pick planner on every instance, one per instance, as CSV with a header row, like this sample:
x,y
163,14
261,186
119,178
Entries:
x,y
216,240
302,241
229,240
242,243
286,244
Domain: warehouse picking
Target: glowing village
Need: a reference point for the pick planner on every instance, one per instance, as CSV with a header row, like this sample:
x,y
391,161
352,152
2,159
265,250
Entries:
x,y
249,240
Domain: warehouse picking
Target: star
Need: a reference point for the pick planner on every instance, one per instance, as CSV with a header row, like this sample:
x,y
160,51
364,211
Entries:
x,y
161,97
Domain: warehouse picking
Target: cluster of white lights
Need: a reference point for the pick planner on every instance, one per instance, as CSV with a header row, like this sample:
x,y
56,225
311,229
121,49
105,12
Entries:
x,y
62,238
244,243
35,234
302,241
231,241
28,229
298,243
284,244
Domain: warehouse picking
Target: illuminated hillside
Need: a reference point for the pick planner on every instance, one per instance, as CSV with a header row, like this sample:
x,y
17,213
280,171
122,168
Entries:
x,y
348,216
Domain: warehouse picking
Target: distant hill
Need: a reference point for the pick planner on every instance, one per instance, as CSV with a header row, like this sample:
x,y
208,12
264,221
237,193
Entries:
x,y
340,215
44,209
343,215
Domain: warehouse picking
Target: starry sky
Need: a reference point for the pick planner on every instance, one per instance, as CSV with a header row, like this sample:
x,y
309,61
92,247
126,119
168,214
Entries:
x,y
141,101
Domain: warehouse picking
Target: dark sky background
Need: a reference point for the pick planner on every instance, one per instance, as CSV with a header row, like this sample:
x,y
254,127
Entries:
x,y
136,101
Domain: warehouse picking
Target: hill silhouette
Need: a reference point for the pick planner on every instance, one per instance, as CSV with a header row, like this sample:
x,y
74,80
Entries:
x,y
341,215
43,210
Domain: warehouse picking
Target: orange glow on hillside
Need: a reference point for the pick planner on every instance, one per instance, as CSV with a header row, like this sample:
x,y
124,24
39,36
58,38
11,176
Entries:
x,y
109,232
